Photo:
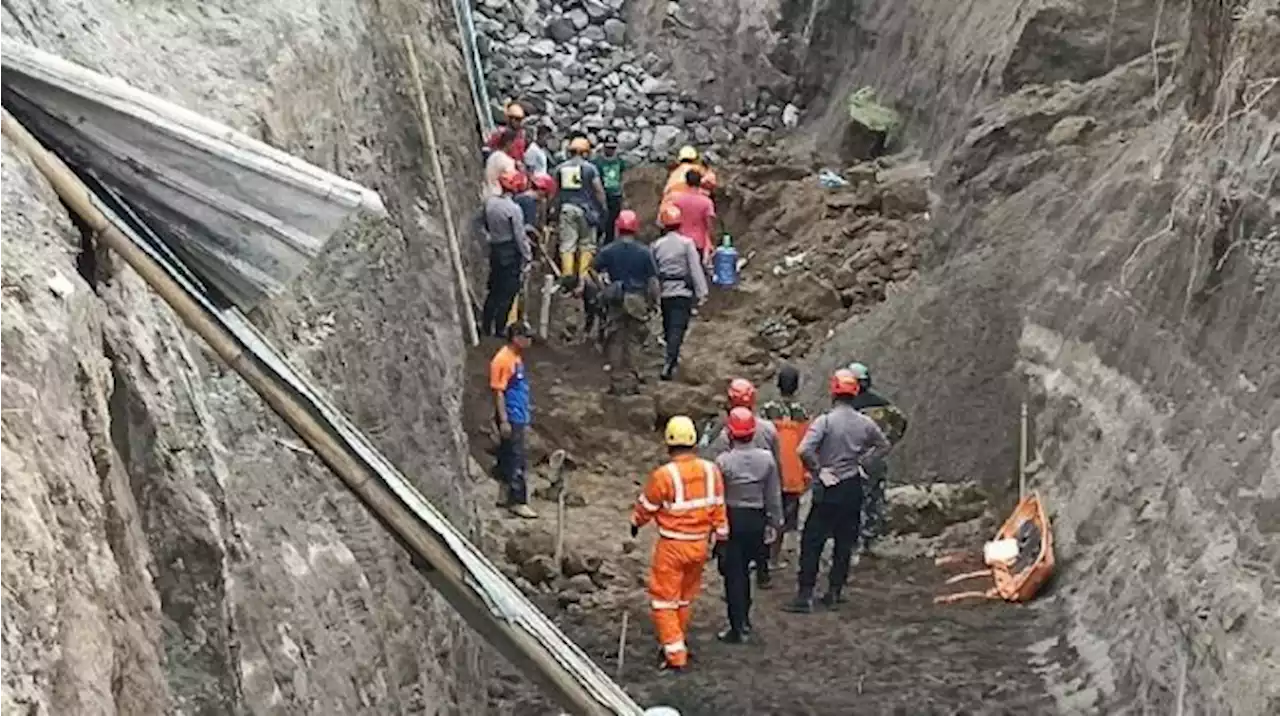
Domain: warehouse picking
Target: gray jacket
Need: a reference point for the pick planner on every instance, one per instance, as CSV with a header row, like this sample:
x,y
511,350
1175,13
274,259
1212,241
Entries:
x,y
766,437
679,267
839,442
751,480
501,221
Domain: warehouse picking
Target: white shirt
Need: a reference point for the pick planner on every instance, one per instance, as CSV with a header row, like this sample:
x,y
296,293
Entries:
x,y
535,159
499,163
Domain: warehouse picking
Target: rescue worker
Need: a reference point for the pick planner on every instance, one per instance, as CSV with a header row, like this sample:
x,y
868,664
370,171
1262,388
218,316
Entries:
x,y
791,419
836,449
698,215
685,497
512,413
611,167
581,198
753,501
893,423
544,186
502,222
684,285
536,159
499,162
687,158
742,394
513,131
630,292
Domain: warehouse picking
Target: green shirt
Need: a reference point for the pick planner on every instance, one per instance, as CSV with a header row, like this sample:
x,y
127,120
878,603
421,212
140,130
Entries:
x,y
611,169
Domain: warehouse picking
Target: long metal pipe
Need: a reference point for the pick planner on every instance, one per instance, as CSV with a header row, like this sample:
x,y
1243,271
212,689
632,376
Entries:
x,y
479,593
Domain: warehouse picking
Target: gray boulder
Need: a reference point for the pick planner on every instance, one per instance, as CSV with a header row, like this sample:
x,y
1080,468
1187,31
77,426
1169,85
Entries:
x,y
701,134
757,136
654,86
542,48
628,140
596,10
595,33
559,80
579,18
666,138
790,116
721,135
560,29
615,31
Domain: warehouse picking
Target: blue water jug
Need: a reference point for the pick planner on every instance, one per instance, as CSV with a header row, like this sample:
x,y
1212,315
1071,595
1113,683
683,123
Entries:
x,y
724,264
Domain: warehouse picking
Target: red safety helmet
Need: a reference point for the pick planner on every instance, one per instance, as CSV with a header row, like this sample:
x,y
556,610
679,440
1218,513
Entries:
x,y
742,394
670,216
741,423
545,183
627,222
513,181
845,384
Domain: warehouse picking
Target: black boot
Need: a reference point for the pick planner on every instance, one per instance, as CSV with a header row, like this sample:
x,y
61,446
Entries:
x,y
802,604
731,636
764,579
833,598
668,370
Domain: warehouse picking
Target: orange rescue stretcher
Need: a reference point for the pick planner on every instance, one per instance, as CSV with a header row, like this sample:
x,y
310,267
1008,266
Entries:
x,y
1016,578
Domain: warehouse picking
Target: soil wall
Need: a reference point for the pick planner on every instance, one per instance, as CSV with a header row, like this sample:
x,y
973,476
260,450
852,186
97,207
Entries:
x,y
1104,247
169,545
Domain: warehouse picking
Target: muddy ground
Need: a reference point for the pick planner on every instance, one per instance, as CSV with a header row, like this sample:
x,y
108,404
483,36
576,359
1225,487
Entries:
x,y
890,650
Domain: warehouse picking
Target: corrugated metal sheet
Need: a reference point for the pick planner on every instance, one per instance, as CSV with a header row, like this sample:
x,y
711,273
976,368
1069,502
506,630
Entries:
x,y
246,216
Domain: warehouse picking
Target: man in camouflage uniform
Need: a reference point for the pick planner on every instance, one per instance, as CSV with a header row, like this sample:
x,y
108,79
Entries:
x,y
893,424
791,420
629,294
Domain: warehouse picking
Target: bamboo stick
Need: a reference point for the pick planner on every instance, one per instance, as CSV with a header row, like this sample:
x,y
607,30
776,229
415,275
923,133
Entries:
x,y
544,316
1022,455
444,570
433,154
622,647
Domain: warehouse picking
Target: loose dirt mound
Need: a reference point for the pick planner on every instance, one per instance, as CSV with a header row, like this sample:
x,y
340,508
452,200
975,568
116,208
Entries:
x,y
814,258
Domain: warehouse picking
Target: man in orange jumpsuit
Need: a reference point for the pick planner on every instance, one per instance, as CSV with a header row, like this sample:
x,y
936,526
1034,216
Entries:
x,y
685,497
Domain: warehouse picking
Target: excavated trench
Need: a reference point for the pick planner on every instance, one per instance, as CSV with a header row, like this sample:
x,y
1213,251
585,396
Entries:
x,y
1099,242
891,649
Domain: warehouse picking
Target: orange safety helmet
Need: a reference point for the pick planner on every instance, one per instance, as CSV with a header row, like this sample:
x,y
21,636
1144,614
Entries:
x,y
845,384
513,181
742,394
580,145
627,222
545,183
670,216
741,423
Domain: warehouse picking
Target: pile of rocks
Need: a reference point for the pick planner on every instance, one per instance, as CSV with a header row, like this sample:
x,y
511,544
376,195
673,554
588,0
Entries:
x,y
533,568
569,63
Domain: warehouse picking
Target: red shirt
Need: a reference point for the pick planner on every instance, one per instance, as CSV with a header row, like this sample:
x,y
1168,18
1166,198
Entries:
x,y
696,211
517,147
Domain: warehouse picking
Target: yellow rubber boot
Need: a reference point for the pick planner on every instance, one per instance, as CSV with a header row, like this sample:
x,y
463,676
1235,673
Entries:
x,y
584,263
566,263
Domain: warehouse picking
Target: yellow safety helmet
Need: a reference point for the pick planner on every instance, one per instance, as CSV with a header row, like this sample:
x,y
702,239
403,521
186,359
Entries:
x,y
681,432
687,154
580,145
514,111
